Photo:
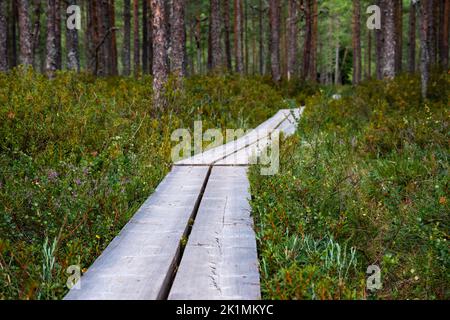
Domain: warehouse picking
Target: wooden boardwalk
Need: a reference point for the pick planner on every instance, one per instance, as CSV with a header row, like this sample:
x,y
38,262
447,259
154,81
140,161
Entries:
x,y
204,201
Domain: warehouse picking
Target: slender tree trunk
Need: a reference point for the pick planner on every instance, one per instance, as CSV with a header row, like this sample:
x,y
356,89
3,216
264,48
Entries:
x,y
314,37
237,37
26,38
215,50
36,31
261,38
445,34
12,43
426,10
356,41
112,26
150,38
160,59
4,65
398,7
245,36
178,38
58,39
126,52
73,57
145,30
390,43
432,32
292,39
307,40
274,16
136,51
51,64
412,37
227,25
369,54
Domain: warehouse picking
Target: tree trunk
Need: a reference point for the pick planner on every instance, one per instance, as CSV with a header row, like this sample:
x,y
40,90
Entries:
x,y
292,39
145,30
237,37
26,39
426,10
51,63
314,35
356,41
412,37
390,43
215,50
160,63
398,36
136,51
36,31
178,38
3,37
261,41
227,25
274,16
369,54
73,57
445,33
307,40
432,18
58,34
126,53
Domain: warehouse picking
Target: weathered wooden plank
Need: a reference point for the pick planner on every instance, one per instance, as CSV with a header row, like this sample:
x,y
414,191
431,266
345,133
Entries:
x,y
139,262
220,260
248,154
216,154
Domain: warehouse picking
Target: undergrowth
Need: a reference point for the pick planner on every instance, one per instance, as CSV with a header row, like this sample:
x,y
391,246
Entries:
x,y
78,156
368,174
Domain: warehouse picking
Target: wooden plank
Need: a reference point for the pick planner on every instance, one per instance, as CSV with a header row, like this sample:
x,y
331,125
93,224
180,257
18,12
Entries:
x,y
220,260
247,155
216,154
139,262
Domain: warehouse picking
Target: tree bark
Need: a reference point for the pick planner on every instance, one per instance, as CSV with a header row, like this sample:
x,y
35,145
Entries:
x,y
160,63
412,37
136,47
426,10
445,34
73,57
292,39
178,38
58,44
26,38
239,58
145,31
36,31
274,16
4,65
356,42
307,40
215,50
314,35
227,25
51,62
261,36
126,52
390,43
398,36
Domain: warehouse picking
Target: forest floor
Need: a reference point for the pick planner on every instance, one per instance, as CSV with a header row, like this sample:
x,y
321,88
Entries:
x,y
364,181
